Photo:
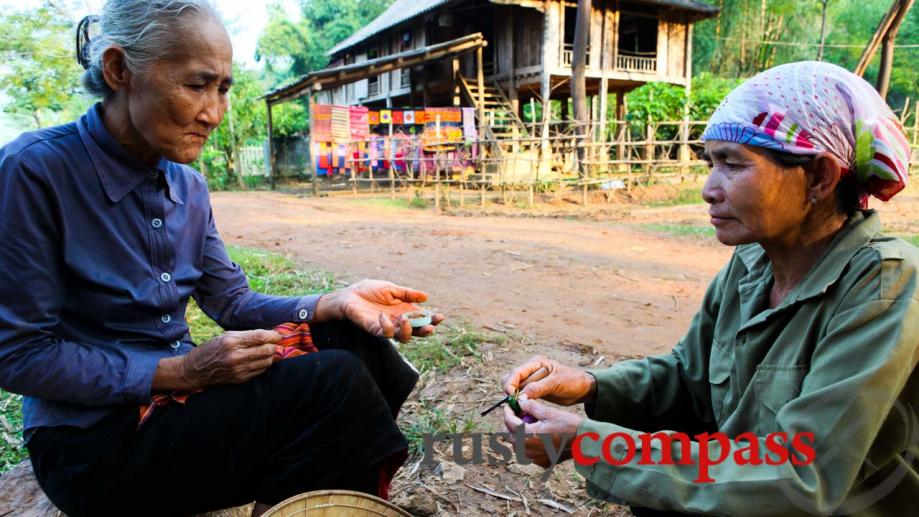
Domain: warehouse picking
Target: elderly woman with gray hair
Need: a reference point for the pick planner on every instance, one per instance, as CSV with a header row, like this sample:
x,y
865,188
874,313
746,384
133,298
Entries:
x,y
106,235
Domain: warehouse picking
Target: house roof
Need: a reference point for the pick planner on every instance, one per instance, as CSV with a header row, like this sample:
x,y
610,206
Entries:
x,y
345,74
404,10
398,12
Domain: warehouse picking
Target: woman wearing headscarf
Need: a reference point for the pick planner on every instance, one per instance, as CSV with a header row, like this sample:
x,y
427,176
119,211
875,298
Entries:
x,y
794,390
106,234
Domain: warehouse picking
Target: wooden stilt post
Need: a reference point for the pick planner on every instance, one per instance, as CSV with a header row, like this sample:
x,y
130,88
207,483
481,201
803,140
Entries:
x,y
392,158
312,159
480,82
623,128
272,169
456,82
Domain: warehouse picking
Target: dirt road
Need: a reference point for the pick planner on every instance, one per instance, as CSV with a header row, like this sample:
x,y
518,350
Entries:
x,y
600,283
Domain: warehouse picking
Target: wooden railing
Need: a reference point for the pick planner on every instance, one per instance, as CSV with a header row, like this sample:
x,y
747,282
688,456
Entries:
x,y
636,64
625,63
568,55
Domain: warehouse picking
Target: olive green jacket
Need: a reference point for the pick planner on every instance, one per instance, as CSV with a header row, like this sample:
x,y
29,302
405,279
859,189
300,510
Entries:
x,y
836,358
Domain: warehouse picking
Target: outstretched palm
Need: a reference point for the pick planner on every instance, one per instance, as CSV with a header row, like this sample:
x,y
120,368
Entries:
x,y
377,307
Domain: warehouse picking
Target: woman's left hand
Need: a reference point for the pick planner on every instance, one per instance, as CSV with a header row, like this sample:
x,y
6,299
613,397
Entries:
x,y
377,307
552,421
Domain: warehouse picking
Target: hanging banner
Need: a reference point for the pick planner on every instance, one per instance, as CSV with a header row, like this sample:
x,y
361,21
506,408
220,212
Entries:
x,y
341,122
360,125
470,134
321,123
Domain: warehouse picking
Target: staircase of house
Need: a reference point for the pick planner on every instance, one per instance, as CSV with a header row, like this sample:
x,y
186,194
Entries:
x,y
502,125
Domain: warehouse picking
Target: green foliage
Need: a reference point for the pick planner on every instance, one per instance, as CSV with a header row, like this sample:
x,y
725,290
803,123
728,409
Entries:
x,y
752,35
661,101
40,73
291,48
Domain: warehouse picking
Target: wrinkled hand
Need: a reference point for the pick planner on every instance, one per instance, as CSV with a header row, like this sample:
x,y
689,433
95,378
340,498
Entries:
x,y
564,385
377,307
230,358
562,425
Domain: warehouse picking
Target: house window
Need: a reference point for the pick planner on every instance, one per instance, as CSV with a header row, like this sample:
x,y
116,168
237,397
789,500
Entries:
x,y
407,44
637,49
373,83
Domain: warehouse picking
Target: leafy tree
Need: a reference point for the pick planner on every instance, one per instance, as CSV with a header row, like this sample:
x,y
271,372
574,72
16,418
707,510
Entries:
x,y
752,35
40,74
293,48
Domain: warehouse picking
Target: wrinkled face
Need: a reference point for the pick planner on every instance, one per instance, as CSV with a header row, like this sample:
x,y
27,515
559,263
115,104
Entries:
x,y
752,198
180,100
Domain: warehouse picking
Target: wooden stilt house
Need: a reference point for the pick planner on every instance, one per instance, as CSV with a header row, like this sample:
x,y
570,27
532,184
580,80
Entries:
x,y
497,55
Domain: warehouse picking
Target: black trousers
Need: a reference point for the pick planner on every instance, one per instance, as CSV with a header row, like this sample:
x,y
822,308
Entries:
x,y
321,421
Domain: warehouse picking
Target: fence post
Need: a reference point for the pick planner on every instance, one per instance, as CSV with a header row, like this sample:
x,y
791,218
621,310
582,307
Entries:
x,y
392,159
684,147
649,149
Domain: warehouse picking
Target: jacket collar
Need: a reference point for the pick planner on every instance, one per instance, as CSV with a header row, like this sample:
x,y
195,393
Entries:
x,y
858,231
119,171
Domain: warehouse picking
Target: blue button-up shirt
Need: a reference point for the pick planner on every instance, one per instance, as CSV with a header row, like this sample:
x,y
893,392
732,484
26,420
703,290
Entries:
x,y
99,253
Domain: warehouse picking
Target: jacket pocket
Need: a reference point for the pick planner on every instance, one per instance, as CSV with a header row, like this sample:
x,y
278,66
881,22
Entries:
x,y
776,385
720,363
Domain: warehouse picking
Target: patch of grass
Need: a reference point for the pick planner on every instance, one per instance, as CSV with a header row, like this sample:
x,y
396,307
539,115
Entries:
x,y
441,352
417,201
11,450
433,419
912,239
688,196
680,230
269,273
446,348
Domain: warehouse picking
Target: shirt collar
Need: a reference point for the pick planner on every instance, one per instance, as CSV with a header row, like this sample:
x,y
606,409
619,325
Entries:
x,y
858,231
119,171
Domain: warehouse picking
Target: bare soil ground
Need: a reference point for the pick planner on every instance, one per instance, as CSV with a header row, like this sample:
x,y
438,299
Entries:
x,y
586,286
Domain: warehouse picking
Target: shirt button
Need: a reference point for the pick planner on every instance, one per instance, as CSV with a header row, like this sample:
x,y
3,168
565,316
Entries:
x,y
153,174
165,318
303,314
175,345
156,222
165,277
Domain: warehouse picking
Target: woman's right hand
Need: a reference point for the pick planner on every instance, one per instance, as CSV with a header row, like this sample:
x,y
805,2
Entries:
x,y
564,385
230,358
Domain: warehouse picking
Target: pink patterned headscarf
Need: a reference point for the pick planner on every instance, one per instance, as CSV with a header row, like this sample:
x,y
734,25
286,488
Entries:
x,y
809,107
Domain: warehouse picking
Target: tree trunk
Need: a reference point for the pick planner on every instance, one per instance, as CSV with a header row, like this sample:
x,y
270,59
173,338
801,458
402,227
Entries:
x,y
822,29
578,79
890,37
